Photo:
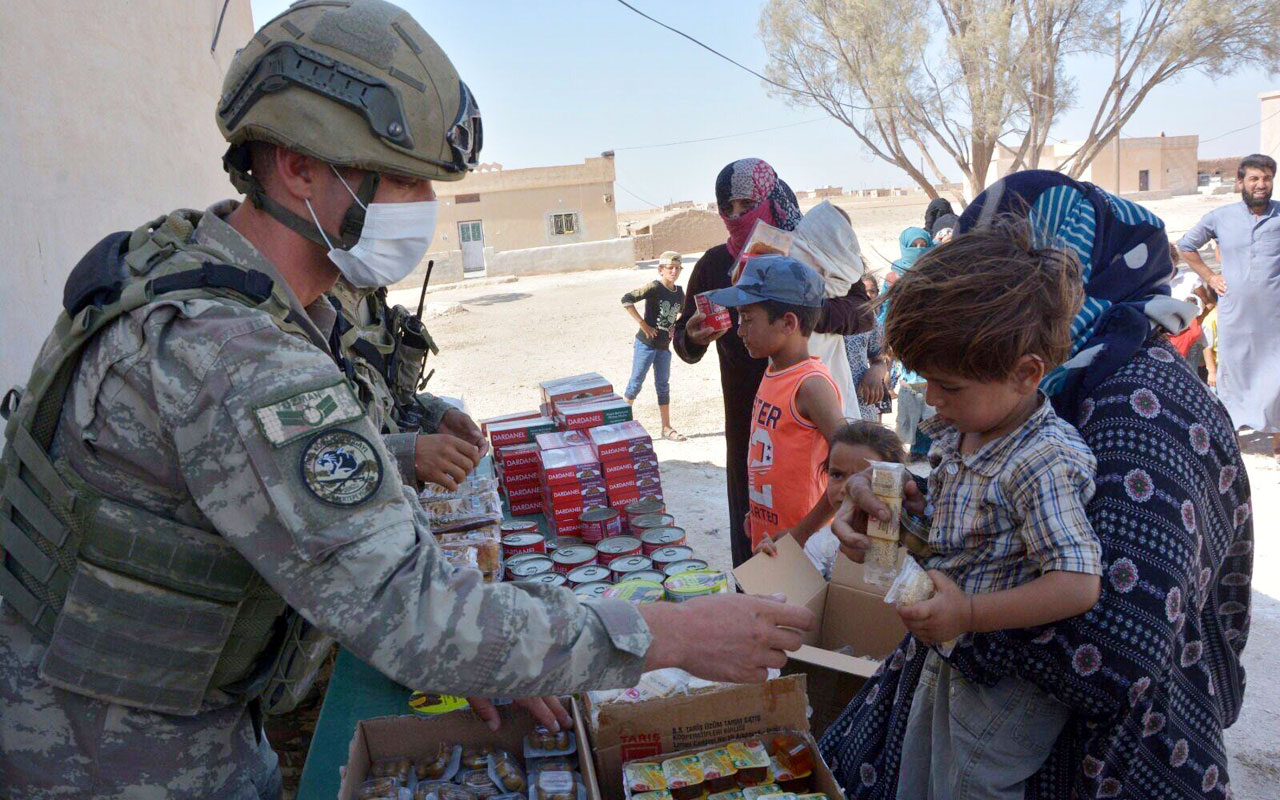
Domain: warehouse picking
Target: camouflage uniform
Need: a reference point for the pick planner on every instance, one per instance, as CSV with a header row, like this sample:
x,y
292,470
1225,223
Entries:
x,y
182,408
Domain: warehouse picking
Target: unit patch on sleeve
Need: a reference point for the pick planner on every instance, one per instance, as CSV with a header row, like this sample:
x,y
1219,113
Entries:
x,y
341,467
294,417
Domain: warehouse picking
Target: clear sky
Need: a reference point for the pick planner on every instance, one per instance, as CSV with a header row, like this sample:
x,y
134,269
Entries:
x,y
561,80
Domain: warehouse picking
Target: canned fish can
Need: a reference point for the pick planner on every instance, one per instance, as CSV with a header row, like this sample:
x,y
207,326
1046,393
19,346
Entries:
x,y
637,593
651,575
670,555
586,591
658,538
623,566
563,541
517,543
644,507
591,573
600,523
527,565
566,559
548,578
518,526
688,585
688,565
616,546
644,522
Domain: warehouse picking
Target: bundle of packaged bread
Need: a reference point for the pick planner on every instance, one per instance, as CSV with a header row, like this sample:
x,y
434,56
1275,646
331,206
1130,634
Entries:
x,y
775,766
547,769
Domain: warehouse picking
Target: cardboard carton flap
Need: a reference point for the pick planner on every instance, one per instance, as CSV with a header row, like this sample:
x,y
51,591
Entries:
x,y
829,659
789,572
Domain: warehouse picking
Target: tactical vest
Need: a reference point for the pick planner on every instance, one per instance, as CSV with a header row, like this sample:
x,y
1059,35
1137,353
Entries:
x,y
135,607
389,348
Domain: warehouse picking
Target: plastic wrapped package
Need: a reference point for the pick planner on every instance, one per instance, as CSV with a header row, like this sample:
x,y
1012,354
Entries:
x,y
640,777
440,765
685,777
912,585
507,774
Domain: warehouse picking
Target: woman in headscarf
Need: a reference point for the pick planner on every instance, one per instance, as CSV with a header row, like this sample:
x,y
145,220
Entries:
x,y
1153,672
940,220
747,191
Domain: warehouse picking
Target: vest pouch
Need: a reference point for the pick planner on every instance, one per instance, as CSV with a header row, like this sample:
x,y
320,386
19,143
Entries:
x,y
303,653
143,645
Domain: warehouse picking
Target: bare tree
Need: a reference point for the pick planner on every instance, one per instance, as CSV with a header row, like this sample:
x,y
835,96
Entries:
x,y
966,78
1165,39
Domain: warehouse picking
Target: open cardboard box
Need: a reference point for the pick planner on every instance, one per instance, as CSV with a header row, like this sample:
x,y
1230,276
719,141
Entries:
x,y
851,613
412,736
622,732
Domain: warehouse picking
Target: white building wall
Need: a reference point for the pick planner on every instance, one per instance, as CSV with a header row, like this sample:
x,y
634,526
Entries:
x,y
1270,115
107,121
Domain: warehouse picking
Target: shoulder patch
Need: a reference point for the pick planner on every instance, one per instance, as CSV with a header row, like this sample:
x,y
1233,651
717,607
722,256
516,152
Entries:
x,y
283,421
340,467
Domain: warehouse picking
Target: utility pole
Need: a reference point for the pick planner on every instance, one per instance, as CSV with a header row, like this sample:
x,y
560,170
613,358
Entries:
x,y
1119,35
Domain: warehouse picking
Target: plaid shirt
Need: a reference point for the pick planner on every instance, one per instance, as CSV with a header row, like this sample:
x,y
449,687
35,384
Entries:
x,y
1015,508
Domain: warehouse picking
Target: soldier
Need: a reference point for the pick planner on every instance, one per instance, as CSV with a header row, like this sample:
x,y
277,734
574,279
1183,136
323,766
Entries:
x,y
193,497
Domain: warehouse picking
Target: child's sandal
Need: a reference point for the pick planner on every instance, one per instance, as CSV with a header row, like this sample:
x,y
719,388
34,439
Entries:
x,y
673,435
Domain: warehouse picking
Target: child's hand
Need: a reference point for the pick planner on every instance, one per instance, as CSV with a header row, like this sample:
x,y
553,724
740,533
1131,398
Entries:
x,y
765,546
942,617
648,330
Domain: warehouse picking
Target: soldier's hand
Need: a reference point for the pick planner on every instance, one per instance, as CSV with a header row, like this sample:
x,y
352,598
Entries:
x,y
444,459
725,637
548,711
850,523
457,423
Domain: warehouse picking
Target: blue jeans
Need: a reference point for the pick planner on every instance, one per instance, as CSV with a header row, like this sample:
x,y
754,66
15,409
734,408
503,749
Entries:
x,y
965,741
646,356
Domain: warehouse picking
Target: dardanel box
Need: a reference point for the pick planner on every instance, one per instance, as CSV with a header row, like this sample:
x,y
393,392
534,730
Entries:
x,y
553,441
485,423
629,468
583,414
589,384
520,431
415,737
851,614
569,464
524,493
526,507
621,440
513,457
623,732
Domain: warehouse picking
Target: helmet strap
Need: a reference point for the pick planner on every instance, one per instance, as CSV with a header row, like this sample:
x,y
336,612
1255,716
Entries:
x,y
236,163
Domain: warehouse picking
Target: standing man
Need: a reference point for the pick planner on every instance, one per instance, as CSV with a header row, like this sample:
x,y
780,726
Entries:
x,y
1248,236
192,498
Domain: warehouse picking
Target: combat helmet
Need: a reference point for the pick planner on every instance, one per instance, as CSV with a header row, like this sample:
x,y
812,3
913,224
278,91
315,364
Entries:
x,y
355,83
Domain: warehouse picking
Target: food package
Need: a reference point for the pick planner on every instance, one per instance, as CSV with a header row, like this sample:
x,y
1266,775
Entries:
x,y
715,316
557,785
796,781
507,774
912,585
751,760
685,777
441,765
887,481
718,769
762,790
476,756
462,513
643,776
379,788
544,743
765,239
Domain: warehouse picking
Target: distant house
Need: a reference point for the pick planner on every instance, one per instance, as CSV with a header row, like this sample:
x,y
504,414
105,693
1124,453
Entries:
x,y
1147,164
685,230
517,209
1217,170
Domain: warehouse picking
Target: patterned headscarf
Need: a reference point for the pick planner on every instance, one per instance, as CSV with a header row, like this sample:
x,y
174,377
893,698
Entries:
x,y
1125,254
909,254
753,179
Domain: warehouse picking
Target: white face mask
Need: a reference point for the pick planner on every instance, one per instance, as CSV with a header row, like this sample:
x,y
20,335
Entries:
x,y
392,242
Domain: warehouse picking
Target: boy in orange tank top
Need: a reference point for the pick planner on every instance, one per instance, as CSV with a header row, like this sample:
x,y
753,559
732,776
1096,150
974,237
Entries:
x,y
797,407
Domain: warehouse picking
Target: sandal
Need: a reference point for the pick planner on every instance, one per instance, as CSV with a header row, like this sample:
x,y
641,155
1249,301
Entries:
x,y
673,435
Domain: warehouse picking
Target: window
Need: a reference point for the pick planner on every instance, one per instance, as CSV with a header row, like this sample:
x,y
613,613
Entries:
x,y
564,224
466,198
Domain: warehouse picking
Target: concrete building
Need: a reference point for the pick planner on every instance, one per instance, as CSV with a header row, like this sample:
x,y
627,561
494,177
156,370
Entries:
x,y
499,210
1165,164
1270,116
107,115
1218,171
687,230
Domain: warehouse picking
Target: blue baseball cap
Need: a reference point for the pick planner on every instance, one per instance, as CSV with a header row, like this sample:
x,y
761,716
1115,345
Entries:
x,y
779,278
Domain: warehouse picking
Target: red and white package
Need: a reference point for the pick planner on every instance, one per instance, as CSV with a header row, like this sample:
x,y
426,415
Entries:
x,y
554,441
574,386
589,413
569,464
621,440
520,431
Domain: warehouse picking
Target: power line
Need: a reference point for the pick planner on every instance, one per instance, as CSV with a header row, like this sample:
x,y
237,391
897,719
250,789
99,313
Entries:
x,y
740,65
716,138
633,194
1237,130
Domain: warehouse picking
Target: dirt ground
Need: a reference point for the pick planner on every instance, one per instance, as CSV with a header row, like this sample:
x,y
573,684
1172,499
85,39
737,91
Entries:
x,y
498,340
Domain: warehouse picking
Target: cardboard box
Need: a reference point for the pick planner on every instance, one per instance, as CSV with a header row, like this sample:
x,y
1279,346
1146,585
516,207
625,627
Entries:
x,y
583,414
514,457
510,482
524,492
521,431
589,384
552,441
640,486
622,732
569,465
852,615
485,423
524,507
414,736
629,467
621,440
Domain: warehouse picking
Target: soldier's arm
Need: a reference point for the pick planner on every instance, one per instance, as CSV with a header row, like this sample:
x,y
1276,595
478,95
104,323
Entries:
x,y
311,500
433,411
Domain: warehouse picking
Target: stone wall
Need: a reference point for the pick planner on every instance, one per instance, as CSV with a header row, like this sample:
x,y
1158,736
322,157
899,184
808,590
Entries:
x,y
685,231
606,254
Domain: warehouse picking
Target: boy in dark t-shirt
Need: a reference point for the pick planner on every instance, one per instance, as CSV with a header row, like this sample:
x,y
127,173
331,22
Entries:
x,y
662,303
